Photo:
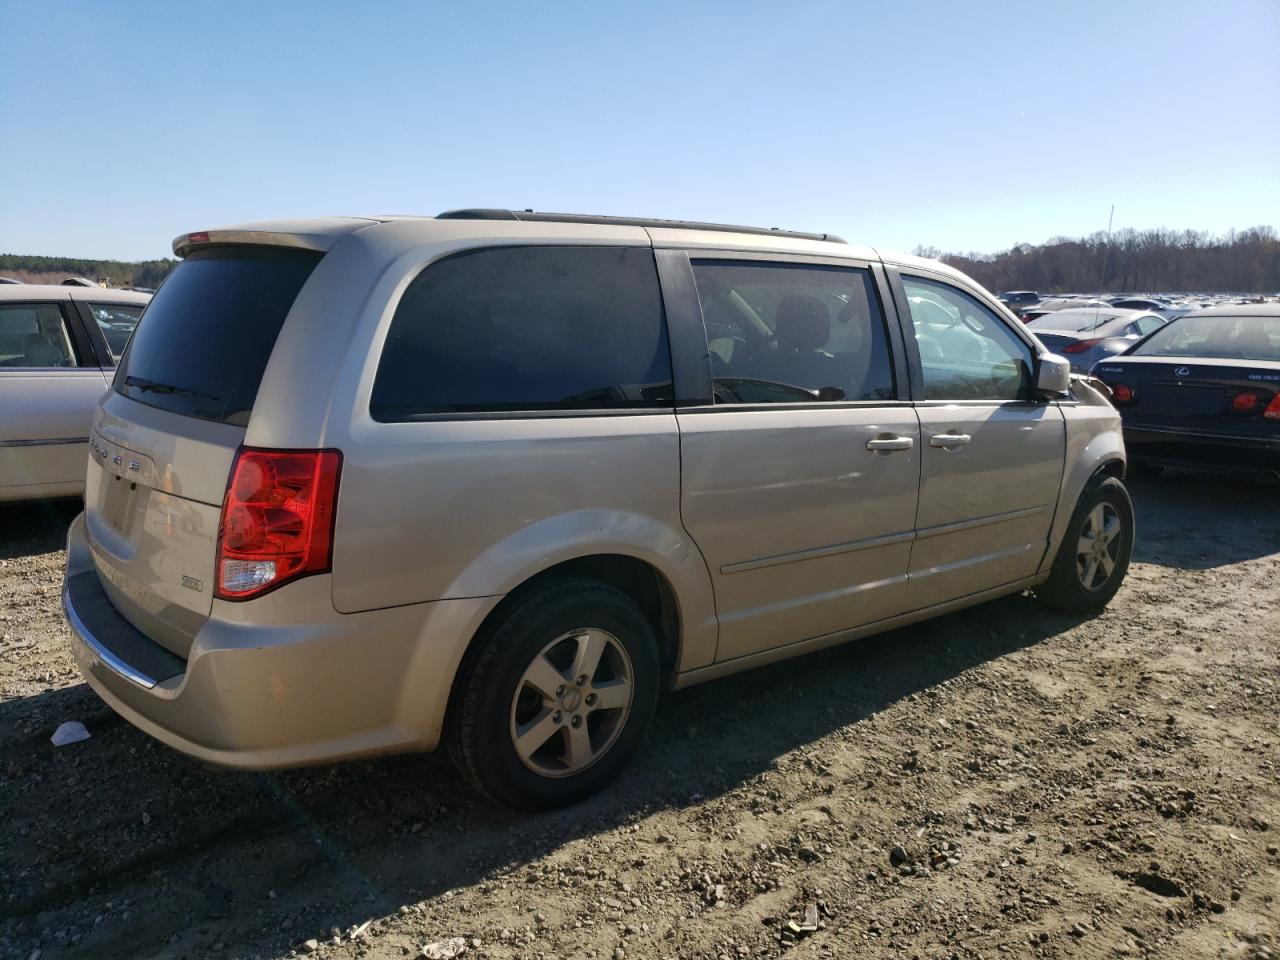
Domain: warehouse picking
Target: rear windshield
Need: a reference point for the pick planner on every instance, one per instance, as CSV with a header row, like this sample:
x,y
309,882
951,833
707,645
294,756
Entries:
x,y
1221,338
1072,320
203,344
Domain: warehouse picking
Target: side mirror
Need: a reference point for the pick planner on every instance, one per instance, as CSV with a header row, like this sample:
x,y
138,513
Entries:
x,y
1053,375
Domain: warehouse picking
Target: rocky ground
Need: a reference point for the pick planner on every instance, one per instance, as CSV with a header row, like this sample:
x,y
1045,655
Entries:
x,y
1000,782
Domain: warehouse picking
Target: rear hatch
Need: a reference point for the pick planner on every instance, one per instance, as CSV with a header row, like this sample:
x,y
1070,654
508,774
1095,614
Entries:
x,y
165,437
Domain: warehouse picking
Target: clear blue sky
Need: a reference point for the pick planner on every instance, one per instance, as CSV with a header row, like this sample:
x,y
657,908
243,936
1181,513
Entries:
x,y
962,125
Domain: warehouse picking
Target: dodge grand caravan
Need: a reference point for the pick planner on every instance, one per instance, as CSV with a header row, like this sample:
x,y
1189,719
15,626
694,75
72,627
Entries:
x,y
494,479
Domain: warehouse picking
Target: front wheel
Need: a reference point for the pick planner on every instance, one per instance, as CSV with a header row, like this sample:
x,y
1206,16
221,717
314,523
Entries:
x,y
1095,551
557,696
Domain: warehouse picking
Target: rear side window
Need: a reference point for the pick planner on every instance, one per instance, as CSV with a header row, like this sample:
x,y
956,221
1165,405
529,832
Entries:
x,y
204,343
791,333
535,328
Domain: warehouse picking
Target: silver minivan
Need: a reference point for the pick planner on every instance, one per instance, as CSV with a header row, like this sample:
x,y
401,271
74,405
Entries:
x,y
495,479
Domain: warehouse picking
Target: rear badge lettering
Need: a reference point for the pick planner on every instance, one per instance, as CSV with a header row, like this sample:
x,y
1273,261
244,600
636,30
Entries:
x,y
191,583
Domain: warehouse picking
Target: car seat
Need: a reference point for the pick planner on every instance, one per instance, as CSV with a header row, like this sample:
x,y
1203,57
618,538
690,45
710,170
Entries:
x,y
41,353
802,328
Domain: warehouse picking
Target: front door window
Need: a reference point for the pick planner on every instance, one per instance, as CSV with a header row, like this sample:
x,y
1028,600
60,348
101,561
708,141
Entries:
x,y
966,351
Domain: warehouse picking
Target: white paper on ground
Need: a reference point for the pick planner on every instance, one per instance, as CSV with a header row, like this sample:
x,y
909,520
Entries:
x,y
72,731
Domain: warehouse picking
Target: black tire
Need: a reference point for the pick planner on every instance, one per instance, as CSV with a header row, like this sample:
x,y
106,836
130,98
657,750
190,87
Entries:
x,y
1065,589
478,733
1145,470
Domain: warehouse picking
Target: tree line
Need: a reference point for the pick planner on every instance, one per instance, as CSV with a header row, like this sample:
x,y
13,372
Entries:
x,y
1131,261
1246,261
117,273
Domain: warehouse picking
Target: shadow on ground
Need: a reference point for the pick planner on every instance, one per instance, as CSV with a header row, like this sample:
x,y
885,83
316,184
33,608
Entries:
x,y
341,844
39,526
1197,521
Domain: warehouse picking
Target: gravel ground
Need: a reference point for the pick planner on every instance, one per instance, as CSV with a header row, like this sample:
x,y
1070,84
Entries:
x,y
1003,781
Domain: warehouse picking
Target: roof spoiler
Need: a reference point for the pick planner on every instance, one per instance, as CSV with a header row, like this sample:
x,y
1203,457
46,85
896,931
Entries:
x,y
185,243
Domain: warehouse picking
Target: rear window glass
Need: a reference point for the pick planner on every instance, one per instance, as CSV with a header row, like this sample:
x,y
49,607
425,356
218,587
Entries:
x,y
204,342
534,328
1222,338
1072,320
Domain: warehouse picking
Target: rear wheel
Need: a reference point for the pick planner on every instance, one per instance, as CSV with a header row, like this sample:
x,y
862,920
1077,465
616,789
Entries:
x,y
1094,555
556,697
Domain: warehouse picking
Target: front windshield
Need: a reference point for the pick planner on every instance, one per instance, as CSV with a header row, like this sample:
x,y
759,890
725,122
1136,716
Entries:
x,y
1071,320
1225,338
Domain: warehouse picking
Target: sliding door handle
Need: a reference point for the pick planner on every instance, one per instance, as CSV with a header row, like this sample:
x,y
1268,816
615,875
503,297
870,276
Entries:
x,y
949,439
891,443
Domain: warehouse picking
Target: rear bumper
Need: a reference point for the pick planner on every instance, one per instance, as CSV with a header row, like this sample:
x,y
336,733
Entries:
x,y
1205,450
264,696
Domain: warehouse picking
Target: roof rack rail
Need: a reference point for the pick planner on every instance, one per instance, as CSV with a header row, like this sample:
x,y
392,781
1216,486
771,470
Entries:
x,y
493,213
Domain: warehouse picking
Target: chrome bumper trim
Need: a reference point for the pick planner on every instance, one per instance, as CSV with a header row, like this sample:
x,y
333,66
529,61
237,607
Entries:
x,y
101,652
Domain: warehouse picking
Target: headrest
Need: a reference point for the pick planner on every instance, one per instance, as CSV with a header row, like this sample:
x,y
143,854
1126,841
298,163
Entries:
x,y
802,323
1253,341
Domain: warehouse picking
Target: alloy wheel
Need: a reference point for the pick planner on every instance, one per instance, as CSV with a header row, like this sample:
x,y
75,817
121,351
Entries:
x,y
572,702
1098,549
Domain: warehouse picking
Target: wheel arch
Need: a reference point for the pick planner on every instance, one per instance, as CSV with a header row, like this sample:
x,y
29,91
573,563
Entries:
x,y
1114,467
640,580
1094,451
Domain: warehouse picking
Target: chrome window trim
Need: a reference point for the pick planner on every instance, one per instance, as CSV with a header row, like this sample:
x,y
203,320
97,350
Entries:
x,y
663,411
798,405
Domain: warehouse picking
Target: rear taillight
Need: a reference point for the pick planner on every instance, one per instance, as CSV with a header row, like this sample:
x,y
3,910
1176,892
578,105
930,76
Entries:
x,y
1081,346
1273,408
1246,401
1121,394
277,519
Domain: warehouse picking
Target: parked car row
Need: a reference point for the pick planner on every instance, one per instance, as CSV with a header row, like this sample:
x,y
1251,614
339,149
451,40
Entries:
x,y
1028,304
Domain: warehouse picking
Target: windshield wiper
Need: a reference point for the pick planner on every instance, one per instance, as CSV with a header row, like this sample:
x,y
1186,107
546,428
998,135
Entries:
x,y
154,386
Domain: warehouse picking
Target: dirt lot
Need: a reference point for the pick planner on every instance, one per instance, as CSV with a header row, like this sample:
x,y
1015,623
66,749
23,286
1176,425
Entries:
x,y
1000,782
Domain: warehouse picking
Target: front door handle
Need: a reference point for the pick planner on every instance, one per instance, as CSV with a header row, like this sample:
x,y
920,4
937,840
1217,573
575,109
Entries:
x,y
891,443
949,439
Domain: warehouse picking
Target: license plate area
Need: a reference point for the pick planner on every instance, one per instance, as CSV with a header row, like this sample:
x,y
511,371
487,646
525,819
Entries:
x,y
1184,401
119,502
